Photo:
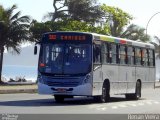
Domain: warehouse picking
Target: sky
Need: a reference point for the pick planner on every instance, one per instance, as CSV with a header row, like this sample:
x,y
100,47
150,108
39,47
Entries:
x,y
141,10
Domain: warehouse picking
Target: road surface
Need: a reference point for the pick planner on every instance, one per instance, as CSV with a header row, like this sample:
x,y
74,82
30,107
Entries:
x,y
45,104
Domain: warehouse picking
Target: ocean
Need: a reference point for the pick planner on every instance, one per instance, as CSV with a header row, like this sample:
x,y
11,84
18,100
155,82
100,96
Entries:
x,y
15,71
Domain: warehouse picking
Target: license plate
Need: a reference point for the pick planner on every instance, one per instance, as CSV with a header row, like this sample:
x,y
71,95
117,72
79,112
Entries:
x,y
61,90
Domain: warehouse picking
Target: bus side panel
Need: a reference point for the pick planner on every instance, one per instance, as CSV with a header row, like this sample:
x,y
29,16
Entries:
x,y
110,72
142,74
131,79
152,77
123,76
97,80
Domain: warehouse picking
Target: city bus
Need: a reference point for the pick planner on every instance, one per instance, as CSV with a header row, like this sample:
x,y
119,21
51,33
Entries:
x,y
89,64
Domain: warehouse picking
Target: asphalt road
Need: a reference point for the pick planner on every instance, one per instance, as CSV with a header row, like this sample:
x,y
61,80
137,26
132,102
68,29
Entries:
x,y
44,104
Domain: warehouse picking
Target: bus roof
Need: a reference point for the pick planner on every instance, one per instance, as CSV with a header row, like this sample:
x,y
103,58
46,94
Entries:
x,y
124,41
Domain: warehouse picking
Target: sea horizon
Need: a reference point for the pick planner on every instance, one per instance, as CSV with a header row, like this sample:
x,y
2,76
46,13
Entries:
x,y
19,71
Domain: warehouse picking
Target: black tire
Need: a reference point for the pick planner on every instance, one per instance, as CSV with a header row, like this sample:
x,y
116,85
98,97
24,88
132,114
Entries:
x,y
105,94
129,96
59,98
137,94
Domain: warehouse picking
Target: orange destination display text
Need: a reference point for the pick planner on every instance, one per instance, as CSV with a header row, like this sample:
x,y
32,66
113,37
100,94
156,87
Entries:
x,y
77,37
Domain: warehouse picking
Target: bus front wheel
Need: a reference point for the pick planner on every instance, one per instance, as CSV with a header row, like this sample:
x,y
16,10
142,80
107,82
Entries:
x,y
105,94
59,98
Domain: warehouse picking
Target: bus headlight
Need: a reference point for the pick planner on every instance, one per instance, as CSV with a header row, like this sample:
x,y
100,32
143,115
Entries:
x,y
87,79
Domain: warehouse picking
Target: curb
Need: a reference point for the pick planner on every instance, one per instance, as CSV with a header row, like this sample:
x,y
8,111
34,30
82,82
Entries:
x,y
18,91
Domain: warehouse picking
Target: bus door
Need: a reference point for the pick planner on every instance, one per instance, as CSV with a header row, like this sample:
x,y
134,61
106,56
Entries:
x,y
97,68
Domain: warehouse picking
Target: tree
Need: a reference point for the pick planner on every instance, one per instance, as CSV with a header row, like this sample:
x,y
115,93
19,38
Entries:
x,y
37,29
14,31
118,20
84,10
80,10
157,46
135,32
59,10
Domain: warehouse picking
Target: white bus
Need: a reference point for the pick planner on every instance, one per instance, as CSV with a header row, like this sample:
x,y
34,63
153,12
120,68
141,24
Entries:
x,y
88,64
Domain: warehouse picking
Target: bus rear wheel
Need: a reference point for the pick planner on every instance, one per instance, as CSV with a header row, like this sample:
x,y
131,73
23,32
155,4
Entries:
x,y
138,90
59,98
137,94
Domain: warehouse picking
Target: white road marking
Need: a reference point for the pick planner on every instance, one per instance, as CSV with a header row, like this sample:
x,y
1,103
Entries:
x,y
156,102
140,104
134,105
149,103
103,107
114,107
122,105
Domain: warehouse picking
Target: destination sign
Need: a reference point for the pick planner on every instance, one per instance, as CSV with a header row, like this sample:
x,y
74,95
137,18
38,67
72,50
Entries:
x,y
67,37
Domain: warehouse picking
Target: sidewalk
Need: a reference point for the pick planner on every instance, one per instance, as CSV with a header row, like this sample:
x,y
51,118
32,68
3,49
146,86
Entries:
x,y
18,89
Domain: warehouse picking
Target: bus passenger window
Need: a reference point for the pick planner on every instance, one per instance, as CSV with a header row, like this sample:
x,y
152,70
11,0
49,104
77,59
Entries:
x,y
151,58
138,56
144,57
130,53
97,54
123,55
113,54
107,49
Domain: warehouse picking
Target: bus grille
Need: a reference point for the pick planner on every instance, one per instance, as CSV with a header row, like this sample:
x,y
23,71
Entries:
x,y
62,84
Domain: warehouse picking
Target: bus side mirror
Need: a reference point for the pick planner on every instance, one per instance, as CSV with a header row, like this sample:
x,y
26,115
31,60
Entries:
x,y
35,50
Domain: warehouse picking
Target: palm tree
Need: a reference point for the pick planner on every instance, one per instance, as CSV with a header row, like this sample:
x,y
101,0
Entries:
x,y
13,31
156,43
157,46
134,32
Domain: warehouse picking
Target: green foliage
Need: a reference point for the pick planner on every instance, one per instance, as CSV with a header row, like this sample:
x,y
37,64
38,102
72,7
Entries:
x,y
88,16
135,32
14,29
80,10
37,29
116,18
84,10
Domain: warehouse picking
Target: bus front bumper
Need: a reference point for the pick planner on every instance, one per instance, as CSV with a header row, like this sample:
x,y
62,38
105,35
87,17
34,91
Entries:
x,y
81,90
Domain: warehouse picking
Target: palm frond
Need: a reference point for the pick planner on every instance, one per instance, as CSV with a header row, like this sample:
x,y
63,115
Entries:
x,y
16,30
15,16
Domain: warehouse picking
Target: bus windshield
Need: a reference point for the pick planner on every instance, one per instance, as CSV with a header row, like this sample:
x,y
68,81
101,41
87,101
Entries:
x,y
65,59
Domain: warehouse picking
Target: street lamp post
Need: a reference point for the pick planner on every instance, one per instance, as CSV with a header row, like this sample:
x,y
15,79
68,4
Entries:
x,y
150,20
147,28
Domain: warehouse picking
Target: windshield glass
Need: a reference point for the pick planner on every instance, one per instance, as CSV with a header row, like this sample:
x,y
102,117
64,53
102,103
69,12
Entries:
x,y
65,58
